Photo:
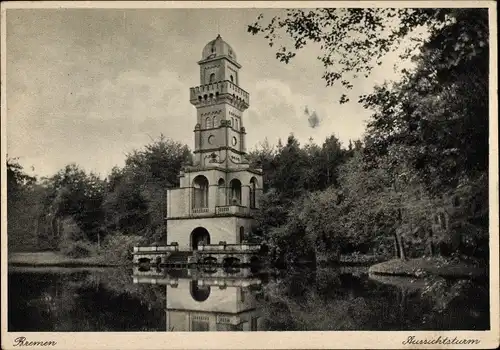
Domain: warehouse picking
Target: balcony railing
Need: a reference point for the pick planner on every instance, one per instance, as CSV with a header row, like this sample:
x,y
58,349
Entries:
x,y
196,211
156,249
231,209
225,319
222,210
229,248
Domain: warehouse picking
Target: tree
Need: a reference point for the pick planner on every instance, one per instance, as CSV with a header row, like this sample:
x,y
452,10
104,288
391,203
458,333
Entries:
x,y
136,195
23,207
264,157
438,114
72,193
426,145
291,163
434,124
159,161
16,178
355,40
126,209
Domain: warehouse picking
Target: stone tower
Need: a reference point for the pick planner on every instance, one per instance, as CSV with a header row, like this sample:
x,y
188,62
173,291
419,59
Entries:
x,y
218,194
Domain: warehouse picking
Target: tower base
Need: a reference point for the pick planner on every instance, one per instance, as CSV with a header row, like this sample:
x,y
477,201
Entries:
x,y
191,232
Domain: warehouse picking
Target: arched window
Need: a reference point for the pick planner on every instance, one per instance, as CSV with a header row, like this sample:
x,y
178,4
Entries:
x,y
208,122
200,192
212,78
215,122
232,79
236,123
253,191
242,234
232,122
235,186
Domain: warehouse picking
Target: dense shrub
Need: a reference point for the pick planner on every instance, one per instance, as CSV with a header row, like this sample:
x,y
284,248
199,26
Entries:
x,y
118,247
78,249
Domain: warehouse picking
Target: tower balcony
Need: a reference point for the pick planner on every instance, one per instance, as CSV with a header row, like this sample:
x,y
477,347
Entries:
x,y
232,209
208,93
223,210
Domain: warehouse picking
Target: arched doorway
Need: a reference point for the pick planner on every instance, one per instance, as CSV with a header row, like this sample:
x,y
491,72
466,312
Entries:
x,y
199,236
235,185
200,192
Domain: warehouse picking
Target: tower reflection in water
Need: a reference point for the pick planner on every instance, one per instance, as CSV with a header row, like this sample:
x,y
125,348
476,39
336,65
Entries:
x,y
214,299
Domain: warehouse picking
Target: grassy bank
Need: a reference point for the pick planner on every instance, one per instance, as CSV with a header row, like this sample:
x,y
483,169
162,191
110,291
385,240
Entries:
x,y
423,267
354,259
56,259
360,259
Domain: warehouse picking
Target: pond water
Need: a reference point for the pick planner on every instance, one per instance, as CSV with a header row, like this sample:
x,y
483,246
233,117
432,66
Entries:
x,y
344,298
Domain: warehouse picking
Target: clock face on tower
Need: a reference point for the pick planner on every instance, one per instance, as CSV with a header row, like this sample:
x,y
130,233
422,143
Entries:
x,y
234,141
211,139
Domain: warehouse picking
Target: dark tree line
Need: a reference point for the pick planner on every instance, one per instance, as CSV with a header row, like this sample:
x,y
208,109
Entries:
x,y
78,212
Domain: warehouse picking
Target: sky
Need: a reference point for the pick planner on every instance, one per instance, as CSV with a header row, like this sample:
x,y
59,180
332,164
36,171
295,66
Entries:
x,y
87,86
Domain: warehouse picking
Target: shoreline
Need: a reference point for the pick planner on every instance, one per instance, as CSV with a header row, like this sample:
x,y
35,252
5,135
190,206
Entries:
x,y
419,267
423,267
53,259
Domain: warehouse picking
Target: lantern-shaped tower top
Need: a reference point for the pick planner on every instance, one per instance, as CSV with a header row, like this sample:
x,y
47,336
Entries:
x,y
218,48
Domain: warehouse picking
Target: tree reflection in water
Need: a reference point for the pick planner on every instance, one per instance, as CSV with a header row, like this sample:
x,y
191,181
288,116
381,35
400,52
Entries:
x,y
295,300
336,300
83,301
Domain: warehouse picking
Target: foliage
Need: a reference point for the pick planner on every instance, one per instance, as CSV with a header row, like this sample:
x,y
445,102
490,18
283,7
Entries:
x,y
119,247
72,193
125,206
78,249
437,116
75,211
418,181
352,41
24,205
73,241
16,178
264,157
136,195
